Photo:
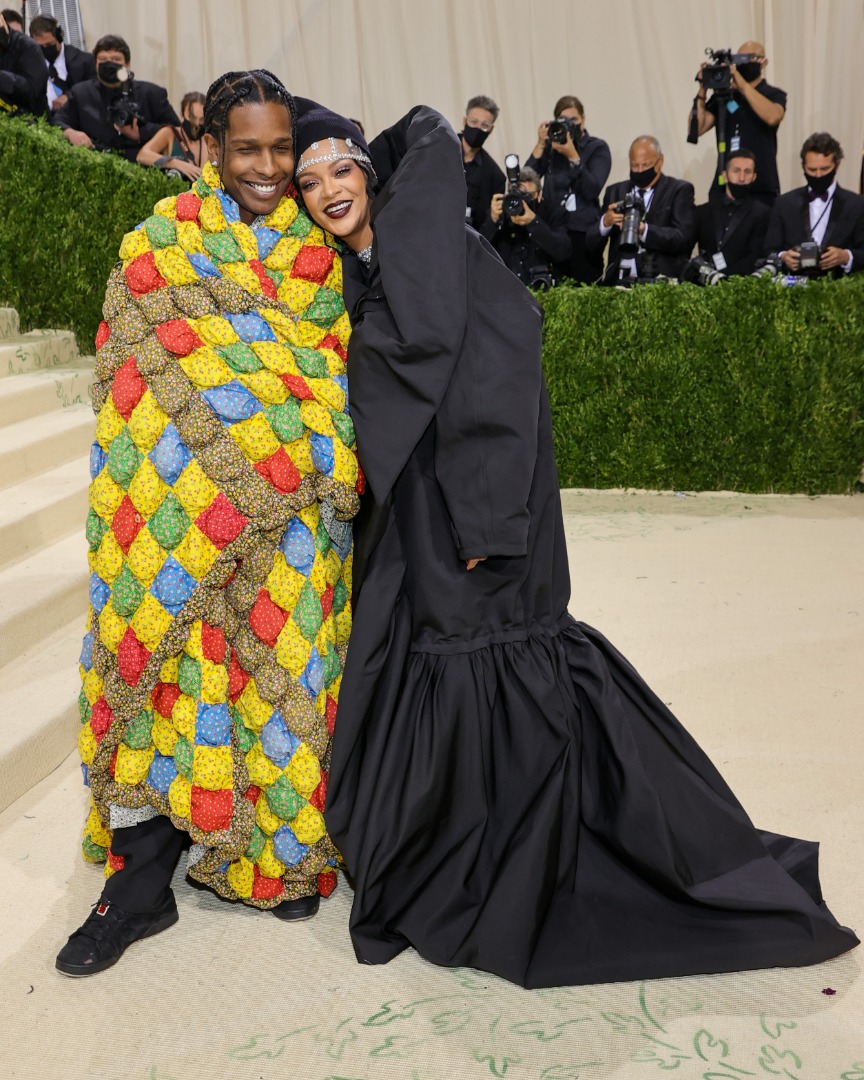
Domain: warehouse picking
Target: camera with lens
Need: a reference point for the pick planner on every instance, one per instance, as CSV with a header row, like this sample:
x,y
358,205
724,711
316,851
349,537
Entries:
x,y
559,130
810,253
701,271
717,76
514,198
124,108
632,207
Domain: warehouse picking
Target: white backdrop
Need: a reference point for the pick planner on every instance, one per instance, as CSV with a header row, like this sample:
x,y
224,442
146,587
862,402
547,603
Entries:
x,y
630,61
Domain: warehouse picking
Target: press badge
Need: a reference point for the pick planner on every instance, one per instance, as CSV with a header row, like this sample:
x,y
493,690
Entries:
x,y
719,260
570,202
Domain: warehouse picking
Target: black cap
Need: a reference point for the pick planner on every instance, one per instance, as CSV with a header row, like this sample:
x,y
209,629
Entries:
x,y
316,123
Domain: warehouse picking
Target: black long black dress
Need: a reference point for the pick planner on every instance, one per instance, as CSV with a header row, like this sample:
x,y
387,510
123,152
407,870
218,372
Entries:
x,y
507,792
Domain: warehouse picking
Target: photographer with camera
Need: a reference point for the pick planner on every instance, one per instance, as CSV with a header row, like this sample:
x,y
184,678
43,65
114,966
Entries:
x,y
113,111
647,220
575,166
483,177
66,65
818,229
527,231
22,73
745,110
730,232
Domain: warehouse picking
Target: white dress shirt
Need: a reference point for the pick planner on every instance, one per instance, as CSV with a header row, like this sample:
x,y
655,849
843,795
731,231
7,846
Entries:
x,y
60,66
820,215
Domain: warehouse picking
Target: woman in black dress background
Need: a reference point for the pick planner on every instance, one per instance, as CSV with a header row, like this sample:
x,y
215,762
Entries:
x,y
507,792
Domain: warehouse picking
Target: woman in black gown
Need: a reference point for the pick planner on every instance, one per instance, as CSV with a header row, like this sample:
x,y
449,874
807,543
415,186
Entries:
x,y
507,793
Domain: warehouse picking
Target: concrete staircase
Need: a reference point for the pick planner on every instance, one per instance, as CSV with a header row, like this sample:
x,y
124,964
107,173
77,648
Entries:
x,y
46,428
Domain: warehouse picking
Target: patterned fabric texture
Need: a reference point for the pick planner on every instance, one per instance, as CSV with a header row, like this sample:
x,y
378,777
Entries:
x,y
224,478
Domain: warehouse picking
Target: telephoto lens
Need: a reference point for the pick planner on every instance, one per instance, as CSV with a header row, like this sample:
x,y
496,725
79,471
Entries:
x,y
632,208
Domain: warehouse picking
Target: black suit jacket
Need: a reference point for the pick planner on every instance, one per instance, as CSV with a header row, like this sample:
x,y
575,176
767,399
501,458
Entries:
x,y
790,223
742,242
87,110
23,75
80,65
670,226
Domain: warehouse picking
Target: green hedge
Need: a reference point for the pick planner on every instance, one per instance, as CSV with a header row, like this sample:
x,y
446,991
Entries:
x,y
748,386
63,213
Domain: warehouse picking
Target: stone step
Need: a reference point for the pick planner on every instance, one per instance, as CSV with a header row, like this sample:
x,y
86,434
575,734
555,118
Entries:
x,y
43,509
44,391
42,592
45,442
39,706
40,350
10,325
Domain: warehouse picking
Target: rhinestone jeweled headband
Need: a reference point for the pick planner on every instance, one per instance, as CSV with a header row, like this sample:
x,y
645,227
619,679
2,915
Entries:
x,y
354,152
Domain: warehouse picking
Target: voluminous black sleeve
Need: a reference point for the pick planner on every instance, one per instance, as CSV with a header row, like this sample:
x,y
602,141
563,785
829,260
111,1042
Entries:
x,y
408,331
486,425
676,238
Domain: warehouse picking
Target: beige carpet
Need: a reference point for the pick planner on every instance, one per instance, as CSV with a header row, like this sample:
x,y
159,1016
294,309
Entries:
x,y
747,614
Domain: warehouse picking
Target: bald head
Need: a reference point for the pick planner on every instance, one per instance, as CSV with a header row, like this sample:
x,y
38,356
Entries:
x,y
646,142
754,47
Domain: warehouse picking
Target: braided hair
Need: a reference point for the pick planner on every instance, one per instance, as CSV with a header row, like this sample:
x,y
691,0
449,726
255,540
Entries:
x,y
237,88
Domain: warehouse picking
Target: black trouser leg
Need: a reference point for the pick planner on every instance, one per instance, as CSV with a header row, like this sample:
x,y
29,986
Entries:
x,y
150,853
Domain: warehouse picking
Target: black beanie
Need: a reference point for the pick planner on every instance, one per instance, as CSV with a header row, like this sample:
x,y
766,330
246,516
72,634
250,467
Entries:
x,y
315,123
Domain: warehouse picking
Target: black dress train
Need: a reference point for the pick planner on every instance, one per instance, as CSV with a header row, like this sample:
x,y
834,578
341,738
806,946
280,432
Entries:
x,y
507,792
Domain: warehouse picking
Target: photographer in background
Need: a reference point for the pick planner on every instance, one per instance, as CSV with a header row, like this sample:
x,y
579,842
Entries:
x,y
575,166
22,73
730,232
821,213
754,110
181,149
112,111
534,239
664,237
66,65
482,175
14,19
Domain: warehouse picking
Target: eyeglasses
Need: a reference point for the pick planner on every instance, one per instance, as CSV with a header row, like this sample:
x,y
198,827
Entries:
x,y
480,124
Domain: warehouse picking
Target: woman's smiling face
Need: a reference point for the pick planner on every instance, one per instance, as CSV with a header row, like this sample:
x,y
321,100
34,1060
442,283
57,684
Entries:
x,y
336,198
256,158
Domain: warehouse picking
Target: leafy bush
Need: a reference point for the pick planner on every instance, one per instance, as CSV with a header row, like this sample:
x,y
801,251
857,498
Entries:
x,y
63,213
748,386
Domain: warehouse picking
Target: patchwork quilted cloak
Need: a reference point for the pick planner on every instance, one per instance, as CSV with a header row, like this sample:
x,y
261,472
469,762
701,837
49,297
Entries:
x,y
224,478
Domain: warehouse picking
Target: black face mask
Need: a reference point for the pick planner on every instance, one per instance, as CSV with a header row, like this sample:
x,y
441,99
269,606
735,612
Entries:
x,y
738,191
474,136
193,131
644,178
820,184
750,71
4,38
50,52
107,72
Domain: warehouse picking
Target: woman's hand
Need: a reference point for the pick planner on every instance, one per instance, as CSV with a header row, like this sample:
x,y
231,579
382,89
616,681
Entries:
x,y
186,168
471,563
542,139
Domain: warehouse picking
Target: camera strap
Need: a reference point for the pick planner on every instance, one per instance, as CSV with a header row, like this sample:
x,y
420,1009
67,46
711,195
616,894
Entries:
x,y
693,133
826,210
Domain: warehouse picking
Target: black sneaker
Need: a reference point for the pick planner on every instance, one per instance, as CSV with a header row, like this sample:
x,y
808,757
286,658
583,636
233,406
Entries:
x,y
297,910
108,933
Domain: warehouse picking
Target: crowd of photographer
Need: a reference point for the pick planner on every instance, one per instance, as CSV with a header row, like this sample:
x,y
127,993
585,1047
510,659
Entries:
x,y
547,219
648,224
95,98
